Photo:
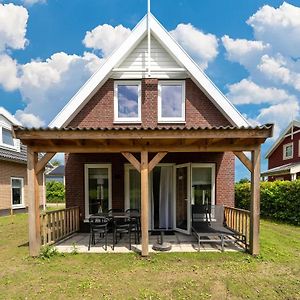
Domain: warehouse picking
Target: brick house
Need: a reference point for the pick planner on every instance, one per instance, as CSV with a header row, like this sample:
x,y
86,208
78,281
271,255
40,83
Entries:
x,y
284,155
13,167
148,130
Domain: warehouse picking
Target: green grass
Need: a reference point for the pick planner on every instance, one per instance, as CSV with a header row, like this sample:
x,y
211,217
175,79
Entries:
x,y
275,274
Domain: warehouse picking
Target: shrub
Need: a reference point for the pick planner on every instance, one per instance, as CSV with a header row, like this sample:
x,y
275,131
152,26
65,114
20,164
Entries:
x,y
280,200
55,192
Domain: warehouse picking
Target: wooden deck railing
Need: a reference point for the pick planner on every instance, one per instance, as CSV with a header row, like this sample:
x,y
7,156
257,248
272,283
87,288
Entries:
x,y
58,224
239,220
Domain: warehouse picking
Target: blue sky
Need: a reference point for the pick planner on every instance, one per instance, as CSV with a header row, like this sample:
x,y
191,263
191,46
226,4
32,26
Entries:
x,y
250,49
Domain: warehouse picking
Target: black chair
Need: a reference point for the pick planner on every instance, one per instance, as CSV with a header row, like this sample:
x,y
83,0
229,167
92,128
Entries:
x,y
136,222
121,226
98,225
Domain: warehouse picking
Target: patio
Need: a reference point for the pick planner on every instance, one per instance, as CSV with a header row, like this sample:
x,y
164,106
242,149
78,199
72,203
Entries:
x,y
180,243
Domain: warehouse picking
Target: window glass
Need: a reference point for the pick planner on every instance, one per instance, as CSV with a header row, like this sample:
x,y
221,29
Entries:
x,y
288,151
7,137
201,185
128,101
98,190
171,101
16,185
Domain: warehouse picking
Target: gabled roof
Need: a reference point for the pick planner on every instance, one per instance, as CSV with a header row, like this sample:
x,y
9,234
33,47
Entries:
x,y
9,116
291,168
282,137
139,32
57,171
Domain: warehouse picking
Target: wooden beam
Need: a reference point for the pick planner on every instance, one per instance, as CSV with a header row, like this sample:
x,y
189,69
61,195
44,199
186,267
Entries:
x,y
132,160
33,204
142,134
244,159
41,164
255,202
144,202
155,160
157,147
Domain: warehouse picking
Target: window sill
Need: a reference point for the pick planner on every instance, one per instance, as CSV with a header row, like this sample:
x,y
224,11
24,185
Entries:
x,y
18,206
171,122
127,122
287,158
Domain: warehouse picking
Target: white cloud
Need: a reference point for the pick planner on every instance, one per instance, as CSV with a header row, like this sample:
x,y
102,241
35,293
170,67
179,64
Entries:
x,y
47,85
279,70
282,113
29,120
13,23
8,73
203,48
32,2
248,92
106,38
243,51
279,27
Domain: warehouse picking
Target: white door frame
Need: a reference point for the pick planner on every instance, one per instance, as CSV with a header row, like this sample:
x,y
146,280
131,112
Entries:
x,y
188,166
86,185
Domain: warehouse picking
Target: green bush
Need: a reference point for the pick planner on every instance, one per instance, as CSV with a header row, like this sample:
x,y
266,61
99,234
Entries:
x,y
280,200
55,192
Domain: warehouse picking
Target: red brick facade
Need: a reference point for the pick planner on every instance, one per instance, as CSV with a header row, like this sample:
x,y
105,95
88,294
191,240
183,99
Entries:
x,y
99,112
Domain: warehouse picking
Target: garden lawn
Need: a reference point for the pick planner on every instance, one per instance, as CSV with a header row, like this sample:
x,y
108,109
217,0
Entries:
x,y
273,275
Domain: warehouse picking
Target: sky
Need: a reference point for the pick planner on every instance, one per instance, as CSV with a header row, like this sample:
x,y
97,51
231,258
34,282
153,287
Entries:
x,y
250,50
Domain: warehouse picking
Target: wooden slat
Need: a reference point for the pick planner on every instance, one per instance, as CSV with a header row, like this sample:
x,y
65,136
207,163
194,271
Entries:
x,y
43,162
155,160
244,159
132,160
144,202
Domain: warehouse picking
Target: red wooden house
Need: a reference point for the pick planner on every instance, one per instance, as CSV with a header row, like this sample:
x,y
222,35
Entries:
x,y
284,155
148,130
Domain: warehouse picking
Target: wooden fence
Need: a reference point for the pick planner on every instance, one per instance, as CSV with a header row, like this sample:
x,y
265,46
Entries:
x,y
238,220
58,224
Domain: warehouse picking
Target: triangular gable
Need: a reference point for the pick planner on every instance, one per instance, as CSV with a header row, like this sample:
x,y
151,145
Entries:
x,y
293,124
177,53
9,117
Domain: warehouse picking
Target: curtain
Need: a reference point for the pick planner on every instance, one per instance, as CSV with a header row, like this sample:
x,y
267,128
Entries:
x,y
166,198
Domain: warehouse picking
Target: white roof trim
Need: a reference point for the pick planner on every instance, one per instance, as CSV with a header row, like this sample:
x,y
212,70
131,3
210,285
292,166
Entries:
x,y
9,116
281,138
139,32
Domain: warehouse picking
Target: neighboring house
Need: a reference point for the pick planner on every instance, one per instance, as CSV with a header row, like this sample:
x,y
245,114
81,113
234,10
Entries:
x,y
13,167
284,155
149,130
56,173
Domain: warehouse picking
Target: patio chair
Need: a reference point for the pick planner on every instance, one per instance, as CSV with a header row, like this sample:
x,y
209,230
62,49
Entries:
x,y
136,223
215,230
98,225
121,226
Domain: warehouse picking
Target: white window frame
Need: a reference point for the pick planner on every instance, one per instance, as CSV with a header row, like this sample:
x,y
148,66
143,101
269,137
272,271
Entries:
x,y
21,205
284,151
7,146
118,119
162,119
86,185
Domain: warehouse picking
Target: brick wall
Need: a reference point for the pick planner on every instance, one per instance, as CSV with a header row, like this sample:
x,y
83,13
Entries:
x,y
99,111
8,170
276,158
75,193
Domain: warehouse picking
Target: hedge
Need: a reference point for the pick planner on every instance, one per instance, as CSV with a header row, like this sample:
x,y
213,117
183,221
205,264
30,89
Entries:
x,y
55,192
280,200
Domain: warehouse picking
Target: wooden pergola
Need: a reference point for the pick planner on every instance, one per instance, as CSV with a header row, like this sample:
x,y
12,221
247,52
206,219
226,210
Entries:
x,y
144,141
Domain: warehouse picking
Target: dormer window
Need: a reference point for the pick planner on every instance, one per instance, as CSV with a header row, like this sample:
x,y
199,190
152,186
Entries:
x,y
127,101
288,152
171,101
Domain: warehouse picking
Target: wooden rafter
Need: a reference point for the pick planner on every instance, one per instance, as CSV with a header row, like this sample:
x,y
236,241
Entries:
x,y
131,158
155,160
40,165
245,160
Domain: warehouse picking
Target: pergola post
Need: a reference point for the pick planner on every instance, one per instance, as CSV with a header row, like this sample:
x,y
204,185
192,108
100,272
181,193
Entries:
x,y
255,201
144,202
33,204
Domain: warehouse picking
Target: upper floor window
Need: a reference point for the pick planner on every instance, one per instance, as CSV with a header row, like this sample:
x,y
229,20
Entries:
x,y
127,101
288,151
171,101
7,137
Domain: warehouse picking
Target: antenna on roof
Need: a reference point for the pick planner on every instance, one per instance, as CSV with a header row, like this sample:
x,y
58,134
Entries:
x,y
149,38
